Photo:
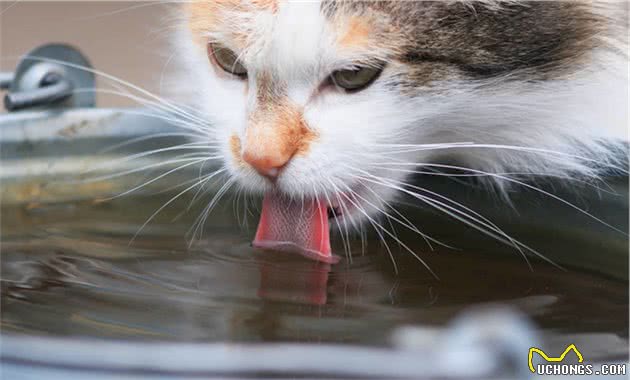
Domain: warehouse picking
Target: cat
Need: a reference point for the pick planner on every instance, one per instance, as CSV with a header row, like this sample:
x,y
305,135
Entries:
x,y
333,105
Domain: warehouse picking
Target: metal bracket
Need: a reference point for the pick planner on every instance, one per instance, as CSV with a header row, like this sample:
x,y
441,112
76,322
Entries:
x,y
53,75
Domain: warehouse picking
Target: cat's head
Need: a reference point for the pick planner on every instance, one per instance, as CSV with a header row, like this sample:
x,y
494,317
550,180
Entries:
x,y
325,99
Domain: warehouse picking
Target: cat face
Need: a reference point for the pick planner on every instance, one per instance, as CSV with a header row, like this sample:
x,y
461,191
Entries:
x,y
333,99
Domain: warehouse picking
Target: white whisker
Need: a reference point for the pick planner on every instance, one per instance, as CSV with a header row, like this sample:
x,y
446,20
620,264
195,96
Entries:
x,y
537,189
154,179
169,202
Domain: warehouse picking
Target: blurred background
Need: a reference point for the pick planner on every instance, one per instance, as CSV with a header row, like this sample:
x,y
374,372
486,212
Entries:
x,y
127,39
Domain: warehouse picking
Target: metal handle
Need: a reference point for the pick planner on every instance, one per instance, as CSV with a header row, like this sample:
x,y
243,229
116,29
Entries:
x,y
48,76
53,89
6,78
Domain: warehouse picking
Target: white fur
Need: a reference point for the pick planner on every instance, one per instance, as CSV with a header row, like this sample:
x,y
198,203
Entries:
x,y
580,116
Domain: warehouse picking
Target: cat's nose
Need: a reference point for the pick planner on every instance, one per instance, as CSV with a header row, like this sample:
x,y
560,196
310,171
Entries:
x,y
269,164
276,132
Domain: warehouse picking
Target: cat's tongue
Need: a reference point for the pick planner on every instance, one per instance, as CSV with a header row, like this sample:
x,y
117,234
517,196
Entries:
x,y
295,226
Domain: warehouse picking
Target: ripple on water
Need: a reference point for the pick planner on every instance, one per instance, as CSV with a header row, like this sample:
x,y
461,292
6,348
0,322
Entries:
x,y
79,276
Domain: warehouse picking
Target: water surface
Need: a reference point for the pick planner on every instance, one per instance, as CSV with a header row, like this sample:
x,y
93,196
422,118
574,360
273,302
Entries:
x,y
72,269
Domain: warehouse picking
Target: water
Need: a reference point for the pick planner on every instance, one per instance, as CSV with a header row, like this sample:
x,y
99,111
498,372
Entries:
x,y
69,269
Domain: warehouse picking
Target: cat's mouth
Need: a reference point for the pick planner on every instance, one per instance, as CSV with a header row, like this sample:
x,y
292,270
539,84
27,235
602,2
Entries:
x,y
300,226
334,212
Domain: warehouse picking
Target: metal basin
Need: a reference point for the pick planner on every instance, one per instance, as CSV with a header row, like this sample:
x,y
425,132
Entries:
x,y
90,290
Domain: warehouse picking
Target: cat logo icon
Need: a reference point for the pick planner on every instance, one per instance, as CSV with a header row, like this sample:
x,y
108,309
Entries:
x,y
552,359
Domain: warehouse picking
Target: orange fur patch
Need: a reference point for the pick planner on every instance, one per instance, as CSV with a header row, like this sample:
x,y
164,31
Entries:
x,y
235,148
275,134
357,33
207,15
202,15
271,5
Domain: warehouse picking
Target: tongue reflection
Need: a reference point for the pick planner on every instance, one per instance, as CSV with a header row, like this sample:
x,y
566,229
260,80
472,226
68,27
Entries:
x,y
295,226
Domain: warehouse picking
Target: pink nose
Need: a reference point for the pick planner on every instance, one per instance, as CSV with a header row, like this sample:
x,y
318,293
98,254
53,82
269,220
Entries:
x,y
268,165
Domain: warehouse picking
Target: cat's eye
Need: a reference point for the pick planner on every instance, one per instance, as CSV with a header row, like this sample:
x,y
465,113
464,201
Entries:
x,y
355,79
227,60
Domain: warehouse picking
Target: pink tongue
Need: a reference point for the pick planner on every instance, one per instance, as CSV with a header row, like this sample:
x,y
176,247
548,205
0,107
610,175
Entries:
x,y
295,226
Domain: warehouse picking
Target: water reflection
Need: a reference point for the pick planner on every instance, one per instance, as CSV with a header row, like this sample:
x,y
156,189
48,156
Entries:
x,y
71,274
300,282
